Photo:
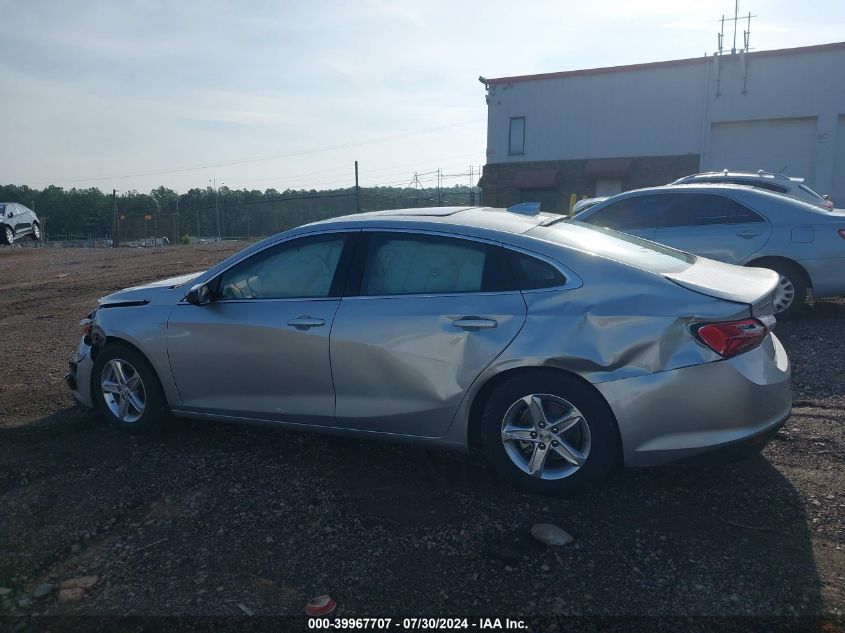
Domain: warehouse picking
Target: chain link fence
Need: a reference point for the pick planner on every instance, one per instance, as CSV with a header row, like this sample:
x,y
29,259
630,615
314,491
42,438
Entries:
x,y
250,220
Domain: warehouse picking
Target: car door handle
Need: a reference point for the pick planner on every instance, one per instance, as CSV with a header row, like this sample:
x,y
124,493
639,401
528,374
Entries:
x,y
306,322
748,234
475,323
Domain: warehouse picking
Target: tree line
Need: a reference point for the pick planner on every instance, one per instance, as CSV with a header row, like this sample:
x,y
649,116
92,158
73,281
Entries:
x,y
241,212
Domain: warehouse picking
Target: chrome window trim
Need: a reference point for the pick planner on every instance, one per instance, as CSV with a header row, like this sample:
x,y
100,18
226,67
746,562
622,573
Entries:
x,y
277,299
432,296
433,232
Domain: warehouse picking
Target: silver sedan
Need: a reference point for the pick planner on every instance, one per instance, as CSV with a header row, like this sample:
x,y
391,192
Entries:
x,y
560,350
740,225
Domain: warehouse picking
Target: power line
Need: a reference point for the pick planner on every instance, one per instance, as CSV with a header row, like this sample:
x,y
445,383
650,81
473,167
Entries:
x,y
256,159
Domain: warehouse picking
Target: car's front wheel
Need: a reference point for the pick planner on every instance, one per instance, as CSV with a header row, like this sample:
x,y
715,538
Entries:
x,y
36,232
127,389
550,433
790,297
8,235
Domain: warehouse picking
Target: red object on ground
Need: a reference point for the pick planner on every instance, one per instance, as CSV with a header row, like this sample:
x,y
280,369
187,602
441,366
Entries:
x,y
321,605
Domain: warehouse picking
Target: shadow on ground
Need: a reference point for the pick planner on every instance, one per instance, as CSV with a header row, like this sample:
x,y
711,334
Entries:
x,y
202,517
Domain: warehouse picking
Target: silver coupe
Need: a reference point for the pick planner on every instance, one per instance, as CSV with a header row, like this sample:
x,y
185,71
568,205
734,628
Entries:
x,y
558,349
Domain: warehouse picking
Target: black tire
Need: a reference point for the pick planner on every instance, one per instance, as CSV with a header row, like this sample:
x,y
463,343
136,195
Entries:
x,y
7,235
155,405
35,236
604,449
793,276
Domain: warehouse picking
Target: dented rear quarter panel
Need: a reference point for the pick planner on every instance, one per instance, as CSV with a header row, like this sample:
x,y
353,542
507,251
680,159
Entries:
x,y
621,323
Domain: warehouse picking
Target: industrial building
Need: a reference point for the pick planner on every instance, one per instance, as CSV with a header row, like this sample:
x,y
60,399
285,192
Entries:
x,y
601,131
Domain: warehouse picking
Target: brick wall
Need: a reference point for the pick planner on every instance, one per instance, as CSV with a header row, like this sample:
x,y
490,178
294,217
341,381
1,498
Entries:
x,y
497,188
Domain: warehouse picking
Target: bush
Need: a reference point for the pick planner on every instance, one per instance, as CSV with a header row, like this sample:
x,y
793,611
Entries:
x,y
185,239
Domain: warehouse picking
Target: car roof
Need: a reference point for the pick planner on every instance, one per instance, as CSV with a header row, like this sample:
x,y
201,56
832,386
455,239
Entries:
x,y
700,187
482,218
762,175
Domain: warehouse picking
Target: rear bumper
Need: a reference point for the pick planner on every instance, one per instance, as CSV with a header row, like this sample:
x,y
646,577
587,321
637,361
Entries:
x,y
826,276
740,449
78,379
728,406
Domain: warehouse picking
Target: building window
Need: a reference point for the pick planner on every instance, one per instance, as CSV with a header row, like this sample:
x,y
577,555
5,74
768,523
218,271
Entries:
x,y
608,187
516,142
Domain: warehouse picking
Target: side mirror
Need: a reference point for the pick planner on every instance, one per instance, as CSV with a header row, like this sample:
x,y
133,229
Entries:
x,y
826,196
199,295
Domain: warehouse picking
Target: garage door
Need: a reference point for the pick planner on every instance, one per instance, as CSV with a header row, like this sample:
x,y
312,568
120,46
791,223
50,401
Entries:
x,y
838,188
776,145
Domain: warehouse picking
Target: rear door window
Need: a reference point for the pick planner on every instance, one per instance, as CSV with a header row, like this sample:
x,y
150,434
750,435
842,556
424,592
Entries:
x,y
704,209
412,264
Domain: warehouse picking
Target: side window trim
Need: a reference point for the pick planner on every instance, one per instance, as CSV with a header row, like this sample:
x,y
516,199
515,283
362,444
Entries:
x,y
353,237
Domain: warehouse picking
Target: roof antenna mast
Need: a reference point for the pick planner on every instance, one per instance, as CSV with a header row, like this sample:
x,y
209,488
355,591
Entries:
x,y
746,34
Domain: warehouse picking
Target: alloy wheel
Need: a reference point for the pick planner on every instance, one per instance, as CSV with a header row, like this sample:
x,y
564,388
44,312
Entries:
x,y
123,390
36,231
546,436
10,235
784,294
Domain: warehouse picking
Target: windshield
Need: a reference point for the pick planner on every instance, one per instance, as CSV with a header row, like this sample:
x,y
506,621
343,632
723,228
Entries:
x,y
620,247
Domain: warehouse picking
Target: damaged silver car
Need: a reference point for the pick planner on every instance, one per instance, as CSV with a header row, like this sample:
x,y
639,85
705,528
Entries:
x,y
560,350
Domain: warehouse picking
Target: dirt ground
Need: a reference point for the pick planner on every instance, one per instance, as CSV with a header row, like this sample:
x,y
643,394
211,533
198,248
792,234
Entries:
x,y
212,519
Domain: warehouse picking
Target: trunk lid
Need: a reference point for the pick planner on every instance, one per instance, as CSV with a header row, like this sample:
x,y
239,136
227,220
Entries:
x,y
752,286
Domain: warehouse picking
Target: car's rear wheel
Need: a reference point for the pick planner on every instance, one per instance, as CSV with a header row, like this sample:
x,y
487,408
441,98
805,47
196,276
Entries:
x,y
8,235
550,433
36,232
127,389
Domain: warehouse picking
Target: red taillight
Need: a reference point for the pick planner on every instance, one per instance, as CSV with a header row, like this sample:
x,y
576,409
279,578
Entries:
x,y
734,337
841,233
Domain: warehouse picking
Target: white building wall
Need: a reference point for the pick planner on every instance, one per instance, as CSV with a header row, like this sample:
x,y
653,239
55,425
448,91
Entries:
x,y
647,112
673,109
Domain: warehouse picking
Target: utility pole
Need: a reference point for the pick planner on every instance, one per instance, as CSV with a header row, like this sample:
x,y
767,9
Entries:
x,y
155,217
439,194
357,190
197,209
114,228
176,223
217,208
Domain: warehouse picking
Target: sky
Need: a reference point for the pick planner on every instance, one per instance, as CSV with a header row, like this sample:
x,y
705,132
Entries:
x,y
287,95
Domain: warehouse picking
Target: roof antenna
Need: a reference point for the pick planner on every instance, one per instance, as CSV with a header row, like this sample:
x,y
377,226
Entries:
x,y
526,208
746,33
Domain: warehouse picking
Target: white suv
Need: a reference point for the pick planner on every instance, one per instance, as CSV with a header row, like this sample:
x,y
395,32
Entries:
x,y
777,183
